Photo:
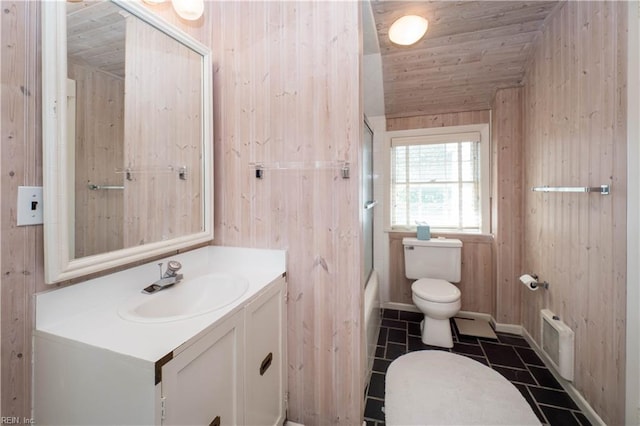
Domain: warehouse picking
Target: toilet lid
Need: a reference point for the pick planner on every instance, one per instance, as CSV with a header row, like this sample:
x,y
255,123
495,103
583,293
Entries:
x,y
435,290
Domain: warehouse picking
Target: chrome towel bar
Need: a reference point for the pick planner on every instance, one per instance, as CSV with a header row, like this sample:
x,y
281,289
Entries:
x,y
95,187
260,167
602,189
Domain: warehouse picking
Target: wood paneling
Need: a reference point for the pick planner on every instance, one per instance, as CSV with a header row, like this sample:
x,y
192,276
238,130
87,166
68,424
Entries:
x,y
96,33
438,120
471,49
22,259
575,135
476,284
287,90
99,143
507,202
273,101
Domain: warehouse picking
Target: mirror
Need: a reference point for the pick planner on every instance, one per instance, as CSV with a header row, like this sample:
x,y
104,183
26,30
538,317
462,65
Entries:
x,y
127,137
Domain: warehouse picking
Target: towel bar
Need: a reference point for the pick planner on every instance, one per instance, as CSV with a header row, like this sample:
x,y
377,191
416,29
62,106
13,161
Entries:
x,y
602,189
95,187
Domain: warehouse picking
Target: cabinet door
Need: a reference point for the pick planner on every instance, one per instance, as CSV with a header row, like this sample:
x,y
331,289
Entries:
x,y
203,384
265,368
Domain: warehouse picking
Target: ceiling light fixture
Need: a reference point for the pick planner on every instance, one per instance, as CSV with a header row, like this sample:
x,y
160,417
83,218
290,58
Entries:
x,y
408,30
191,10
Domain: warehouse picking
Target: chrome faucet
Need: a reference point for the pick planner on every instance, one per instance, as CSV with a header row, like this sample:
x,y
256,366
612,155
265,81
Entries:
x,y
169,278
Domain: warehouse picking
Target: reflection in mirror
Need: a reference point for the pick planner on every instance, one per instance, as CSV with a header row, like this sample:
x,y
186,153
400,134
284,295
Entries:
x,y
95,124
137,107
131,146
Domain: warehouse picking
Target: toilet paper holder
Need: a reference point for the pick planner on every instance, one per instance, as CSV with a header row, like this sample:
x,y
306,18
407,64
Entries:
x,y
537,284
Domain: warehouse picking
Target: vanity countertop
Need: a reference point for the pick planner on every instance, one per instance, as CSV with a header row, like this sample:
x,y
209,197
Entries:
x,y
88,312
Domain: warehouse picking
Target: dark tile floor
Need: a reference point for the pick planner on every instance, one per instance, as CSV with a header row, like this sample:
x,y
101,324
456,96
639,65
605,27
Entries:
x,y
510,355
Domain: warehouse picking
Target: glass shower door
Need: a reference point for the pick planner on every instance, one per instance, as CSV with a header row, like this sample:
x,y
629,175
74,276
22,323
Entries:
x,y
369,202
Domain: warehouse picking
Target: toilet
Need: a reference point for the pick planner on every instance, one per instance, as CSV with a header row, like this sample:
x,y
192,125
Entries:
x,y
435,264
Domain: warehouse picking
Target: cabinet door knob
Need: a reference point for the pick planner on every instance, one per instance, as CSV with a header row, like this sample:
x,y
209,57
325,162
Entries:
x,y
266,362
215,422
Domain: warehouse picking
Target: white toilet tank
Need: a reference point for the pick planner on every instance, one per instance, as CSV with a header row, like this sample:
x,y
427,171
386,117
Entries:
x,y
436,258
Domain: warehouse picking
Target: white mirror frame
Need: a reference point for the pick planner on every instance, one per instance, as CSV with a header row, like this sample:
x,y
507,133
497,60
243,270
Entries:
x,y
59,266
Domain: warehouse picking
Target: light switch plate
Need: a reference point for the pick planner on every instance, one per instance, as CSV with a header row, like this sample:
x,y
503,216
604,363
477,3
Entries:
x,y
29,205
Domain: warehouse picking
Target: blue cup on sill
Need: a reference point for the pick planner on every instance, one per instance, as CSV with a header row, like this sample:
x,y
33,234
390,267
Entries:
x,y
424,232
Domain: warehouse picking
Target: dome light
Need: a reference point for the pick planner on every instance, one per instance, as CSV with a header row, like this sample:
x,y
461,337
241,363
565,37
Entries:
x,y
191,10
408,30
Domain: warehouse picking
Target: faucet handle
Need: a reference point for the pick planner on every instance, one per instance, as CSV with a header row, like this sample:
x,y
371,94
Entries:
x,y
169,278
173,266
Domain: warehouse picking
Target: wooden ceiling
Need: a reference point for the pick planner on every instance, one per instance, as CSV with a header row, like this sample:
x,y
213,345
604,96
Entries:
x,y
471,49
96,35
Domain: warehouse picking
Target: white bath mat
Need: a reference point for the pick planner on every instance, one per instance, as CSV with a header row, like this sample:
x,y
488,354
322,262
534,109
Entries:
x,y
441,388
474,327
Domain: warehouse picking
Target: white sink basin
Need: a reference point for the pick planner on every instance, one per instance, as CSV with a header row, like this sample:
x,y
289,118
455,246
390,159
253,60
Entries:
x,y
187,299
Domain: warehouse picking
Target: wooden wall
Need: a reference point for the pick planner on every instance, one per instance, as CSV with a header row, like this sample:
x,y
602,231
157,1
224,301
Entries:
x,y
99,142
22,260
476,284
284,90
507,202
288,91
438,120
575,135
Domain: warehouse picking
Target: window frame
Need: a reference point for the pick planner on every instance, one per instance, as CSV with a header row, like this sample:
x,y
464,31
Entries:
x,y
446,133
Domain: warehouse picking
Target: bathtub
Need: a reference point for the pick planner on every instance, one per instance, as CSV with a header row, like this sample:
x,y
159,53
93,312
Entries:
x,y
372,320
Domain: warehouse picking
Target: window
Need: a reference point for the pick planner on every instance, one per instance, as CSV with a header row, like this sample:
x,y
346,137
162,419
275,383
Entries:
x,y
438,179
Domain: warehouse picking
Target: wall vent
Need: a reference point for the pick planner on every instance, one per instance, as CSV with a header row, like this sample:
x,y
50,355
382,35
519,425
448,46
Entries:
x,y
557,343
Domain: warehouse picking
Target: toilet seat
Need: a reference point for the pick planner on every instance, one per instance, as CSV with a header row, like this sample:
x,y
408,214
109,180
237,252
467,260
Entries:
x,y
435,290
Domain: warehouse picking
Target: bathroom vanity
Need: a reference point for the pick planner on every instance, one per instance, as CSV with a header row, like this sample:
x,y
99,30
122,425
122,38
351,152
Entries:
x,y
208,350
107,354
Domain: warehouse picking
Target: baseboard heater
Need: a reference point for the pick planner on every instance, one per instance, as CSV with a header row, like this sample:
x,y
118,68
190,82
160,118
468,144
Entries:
x,y
557,343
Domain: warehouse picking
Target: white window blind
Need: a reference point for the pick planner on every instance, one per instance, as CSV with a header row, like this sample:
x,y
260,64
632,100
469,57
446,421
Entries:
x,y
436,179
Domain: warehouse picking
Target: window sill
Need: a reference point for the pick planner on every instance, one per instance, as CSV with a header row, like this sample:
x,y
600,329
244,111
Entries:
x,y
481,236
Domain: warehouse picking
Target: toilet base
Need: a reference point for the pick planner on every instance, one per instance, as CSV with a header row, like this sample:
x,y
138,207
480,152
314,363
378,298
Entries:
x,y
436,332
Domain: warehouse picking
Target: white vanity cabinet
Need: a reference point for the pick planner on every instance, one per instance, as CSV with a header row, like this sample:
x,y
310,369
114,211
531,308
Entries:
x,y
265,369
235,374
230,373
203,384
